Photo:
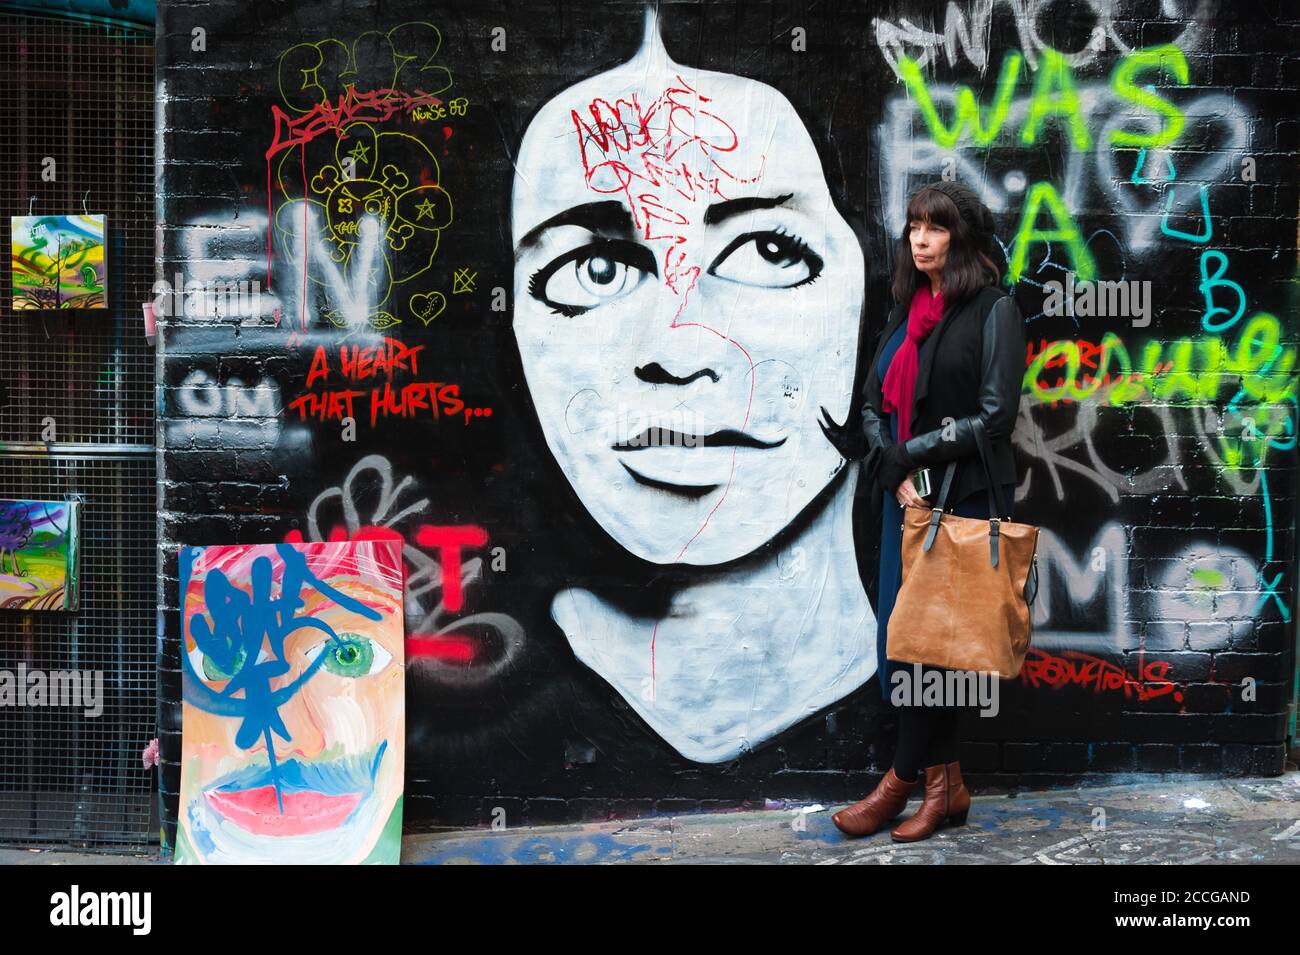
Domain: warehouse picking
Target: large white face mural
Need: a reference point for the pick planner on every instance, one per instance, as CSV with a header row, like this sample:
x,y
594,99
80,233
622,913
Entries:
x,y
687,301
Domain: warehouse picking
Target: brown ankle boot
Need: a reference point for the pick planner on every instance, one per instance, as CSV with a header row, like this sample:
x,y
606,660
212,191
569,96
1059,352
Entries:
x,y
886,801
946,800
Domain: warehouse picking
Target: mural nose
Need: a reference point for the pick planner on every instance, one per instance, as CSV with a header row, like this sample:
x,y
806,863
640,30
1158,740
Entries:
x,y
656,374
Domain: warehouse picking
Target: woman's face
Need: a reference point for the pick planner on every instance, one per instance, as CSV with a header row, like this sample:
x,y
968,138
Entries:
x,y
687,299
328,791
929,246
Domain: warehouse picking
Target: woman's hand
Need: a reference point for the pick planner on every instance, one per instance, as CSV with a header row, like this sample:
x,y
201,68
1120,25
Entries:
x,y
894,467
907,494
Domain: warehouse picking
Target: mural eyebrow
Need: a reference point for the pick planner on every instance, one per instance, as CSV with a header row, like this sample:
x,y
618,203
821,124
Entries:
x,y
607,216
721,211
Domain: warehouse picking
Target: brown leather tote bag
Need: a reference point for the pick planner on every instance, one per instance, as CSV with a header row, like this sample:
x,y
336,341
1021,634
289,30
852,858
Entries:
x,y
968,585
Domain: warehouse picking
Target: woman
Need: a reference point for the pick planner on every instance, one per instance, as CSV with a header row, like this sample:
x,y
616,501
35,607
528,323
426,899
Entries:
x,y
952,351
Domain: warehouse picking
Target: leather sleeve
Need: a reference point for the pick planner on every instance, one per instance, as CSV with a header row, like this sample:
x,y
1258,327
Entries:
x,y
1002,373
877,434
875,425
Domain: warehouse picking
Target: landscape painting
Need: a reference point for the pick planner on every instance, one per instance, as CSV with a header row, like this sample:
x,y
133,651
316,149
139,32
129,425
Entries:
x,y
39,559
59,262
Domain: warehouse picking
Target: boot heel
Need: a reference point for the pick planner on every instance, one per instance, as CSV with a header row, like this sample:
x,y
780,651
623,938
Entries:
x,y
958,818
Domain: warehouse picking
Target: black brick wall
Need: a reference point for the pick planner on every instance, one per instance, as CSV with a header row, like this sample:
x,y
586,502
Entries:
x,y
1165,519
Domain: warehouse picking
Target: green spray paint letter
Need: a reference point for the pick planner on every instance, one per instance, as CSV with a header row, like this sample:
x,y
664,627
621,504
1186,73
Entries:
x,y
1167,57
1065,230
966,106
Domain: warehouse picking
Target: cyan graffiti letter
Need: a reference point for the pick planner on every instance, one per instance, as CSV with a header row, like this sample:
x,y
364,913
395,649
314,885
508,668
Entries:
x,y
1209,283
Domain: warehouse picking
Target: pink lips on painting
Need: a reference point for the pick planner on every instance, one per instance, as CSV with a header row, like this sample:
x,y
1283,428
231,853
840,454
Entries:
x,y
305,813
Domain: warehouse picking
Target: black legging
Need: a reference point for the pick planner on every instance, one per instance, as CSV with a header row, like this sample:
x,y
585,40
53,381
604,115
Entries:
x,y
927,735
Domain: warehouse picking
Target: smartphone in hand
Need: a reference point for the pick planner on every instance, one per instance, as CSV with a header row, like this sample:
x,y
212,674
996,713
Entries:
x,y
921,482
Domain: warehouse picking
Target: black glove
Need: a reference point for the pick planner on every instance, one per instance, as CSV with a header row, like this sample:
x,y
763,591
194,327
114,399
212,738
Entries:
x,y
895,465
849,442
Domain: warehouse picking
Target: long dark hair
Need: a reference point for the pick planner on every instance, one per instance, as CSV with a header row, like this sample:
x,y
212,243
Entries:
x,y
969,266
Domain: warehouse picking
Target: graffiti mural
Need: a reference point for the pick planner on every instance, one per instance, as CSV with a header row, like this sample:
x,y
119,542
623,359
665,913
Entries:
x,y
1211,400
363,207
684,363
578,329
294,704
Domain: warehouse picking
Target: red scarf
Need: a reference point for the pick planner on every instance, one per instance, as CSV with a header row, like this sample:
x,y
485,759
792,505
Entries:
x,y
900,377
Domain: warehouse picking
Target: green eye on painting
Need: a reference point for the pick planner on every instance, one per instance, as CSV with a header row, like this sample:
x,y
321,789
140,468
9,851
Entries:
x,y
352,656
213,670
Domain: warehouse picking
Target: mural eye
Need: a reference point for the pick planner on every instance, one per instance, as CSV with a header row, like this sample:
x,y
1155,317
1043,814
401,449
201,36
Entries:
x,y
352,655
767,259
591,276
216,671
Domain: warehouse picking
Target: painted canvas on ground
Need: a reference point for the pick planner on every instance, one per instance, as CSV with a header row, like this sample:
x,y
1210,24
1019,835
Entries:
x,y
293,671
38,555
59,262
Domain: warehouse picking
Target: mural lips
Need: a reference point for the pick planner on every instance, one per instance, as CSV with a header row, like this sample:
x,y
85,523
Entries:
x,y
676,460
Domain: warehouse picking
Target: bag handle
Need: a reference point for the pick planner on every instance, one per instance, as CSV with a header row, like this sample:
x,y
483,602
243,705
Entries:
x,y
994,492
986,456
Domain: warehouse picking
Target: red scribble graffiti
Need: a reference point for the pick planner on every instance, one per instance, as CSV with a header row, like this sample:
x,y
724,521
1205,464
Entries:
x,y
1088,353
657,156
370,106
660,157
1072,668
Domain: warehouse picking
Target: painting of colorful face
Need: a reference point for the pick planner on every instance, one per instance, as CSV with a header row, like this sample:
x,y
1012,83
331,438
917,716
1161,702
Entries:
x,y
38,555
294,701
59,262
687,305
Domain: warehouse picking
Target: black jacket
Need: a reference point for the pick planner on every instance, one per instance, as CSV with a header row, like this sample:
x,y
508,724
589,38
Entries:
x,y
971,366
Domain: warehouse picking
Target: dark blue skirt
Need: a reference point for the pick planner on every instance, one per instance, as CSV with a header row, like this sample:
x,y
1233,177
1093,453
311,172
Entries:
x,y
891,568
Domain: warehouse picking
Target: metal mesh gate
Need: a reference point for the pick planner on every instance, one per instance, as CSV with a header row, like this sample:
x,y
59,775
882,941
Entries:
x,y
77,419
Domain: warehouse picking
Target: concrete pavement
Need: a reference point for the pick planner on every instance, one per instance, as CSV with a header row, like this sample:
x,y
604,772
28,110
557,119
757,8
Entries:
x,y
1177,819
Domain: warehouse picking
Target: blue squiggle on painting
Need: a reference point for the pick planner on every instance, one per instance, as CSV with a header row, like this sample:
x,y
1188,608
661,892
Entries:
x,y
239,624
